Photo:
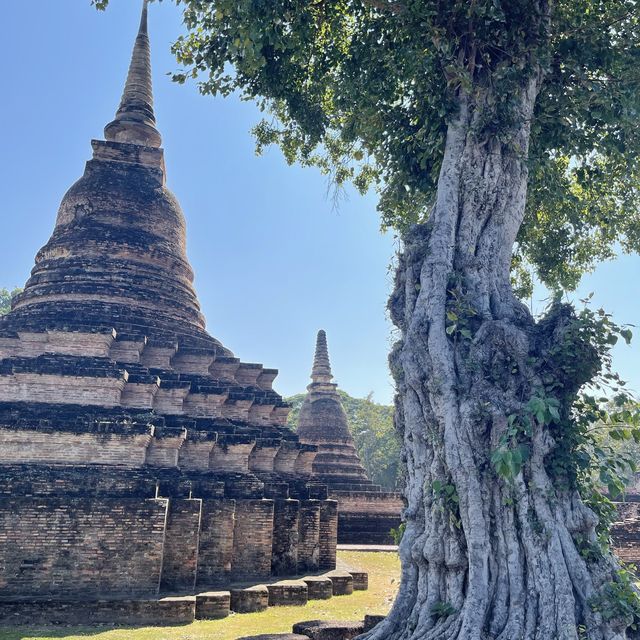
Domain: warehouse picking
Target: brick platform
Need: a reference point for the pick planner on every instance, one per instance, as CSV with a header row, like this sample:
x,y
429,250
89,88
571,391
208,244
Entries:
x,y
46,611
320,588
213,605
249,599
342,582
288,593
276,636
360,580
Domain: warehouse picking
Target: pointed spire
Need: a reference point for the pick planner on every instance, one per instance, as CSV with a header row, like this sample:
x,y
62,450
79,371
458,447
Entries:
x,y
321,372
135,121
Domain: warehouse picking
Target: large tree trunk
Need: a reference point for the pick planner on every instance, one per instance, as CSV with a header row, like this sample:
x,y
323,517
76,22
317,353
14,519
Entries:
x,y
483,557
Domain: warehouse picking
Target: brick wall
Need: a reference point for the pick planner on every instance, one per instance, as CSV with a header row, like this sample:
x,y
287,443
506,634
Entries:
x,y
47,611
625,533
76,546
368,502
181,545
309,531
284,552
328,534
216,542
60,447
252,540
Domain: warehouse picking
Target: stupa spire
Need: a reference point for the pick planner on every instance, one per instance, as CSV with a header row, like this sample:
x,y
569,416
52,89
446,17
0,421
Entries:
x,y
135,120
321,372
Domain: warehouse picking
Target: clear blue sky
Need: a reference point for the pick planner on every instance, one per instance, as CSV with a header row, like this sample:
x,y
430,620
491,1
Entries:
x,y
274,261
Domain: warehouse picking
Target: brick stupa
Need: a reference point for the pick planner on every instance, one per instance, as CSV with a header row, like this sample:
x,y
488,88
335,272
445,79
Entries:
x,y
137,454
366,513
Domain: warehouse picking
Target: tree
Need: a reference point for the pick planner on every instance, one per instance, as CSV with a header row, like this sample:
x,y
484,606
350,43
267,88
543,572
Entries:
x,y
376,440
5,300
502,136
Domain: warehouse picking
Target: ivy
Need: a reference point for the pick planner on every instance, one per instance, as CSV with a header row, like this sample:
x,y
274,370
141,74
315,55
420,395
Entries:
x,y
514,447
447,495
460,314
619,601
442,610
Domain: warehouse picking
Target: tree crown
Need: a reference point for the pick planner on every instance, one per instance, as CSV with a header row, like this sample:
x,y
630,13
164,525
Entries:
x,y
364,89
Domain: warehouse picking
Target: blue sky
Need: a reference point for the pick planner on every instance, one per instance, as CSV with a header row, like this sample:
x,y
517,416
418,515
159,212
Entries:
x,y
274,260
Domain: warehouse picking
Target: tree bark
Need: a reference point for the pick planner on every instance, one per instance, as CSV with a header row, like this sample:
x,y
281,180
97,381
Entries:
x,y
494,559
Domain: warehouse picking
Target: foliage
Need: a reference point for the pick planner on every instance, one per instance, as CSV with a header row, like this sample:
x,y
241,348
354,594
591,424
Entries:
x,y
442,610
376,440
619,601
513,450
446,494
362,89
5,300
593,419
398,534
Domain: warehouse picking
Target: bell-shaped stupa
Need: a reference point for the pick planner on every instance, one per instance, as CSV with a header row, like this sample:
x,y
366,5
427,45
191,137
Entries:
x,y
139,456
366,512
323,422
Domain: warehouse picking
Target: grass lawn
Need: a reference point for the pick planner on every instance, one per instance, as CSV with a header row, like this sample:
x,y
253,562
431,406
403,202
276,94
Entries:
x,y
383,569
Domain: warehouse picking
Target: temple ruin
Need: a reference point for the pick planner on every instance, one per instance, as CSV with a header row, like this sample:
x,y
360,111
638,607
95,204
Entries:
x,y
138,455
366,513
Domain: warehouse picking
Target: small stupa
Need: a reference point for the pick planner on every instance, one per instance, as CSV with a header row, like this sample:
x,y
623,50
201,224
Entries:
x,y
366,513
138,455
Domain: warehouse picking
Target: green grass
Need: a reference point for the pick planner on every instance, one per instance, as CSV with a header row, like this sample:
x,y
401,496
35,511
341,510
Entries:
x,y
383,569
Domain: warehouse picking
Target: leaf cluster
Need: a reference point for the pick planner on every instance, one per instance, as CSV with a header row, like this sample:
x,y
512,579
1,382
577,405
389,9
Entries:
x,y
363,89
618,600
5,300
514,448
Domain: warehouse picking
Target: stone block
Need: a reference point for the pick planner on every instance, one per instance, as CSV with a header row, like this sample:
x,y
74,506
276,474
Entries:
x,y
288,593
360,580
327,630
213,605
319,587
249,599
342,582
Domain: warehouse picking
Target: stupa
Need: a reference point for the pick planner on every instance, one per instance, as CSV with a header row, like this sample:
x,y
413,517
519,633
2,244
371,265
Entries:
x,y
366,513
138,455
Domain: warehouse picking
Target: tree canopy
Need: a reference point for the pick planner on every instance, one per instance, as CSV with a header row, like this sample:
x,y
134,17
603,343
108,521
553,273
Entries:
x,y
363,89
5,300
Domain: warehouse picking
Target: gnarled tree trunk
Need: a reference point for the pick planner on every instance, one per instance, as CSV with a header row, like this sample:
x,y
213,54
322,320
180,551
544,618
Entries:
x,y
483,557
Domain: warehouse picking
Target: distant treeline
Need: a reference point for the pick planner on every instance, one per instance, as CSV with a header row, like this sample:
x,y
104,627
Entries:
x,y
5,300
